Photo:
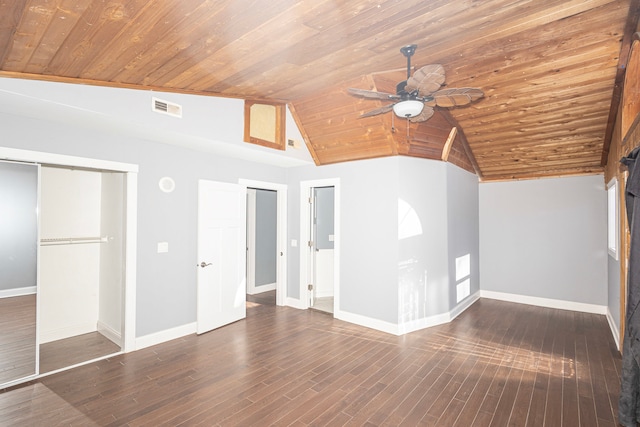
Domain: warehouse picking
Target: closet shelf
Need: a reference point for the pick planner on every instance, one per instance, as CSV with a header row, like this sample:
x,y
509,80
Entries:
x,y
72,240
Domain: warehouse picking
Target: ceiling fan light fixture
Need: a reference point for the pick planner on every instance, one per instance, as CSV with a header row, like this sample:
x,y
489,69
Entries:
x,y
408,108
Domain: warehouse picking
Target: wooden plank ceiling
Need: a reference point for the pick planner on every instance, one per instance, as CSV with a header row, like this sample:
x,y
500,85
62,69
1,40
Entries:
x,y
548,68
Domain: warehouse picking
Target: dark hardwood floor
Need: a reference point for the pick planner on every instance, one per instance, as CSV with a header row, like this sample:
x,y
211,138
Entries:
x,y
59,354
264,298
497,364
17,337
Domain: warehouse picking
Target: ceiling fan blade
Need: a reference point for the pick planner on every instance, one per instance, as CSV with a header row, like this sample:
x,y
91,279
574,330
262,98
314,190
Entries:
x,y
426,80
456,96
371,94
377,111
425,115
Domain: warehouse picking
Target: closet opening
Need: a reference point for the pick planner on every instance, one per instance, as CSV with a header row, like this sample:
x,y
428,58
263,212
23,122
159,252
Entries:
x,y
80,281
80,296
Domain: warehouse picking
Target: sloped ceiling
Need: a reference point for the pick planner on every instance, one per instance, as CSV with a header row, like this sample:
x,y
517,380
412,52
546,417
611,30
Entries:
x,y
550,70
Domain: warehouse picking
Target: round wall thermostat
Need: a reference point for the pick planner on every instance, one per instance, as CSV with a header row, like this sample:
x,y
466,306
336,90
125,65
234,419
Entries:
x,y
166,184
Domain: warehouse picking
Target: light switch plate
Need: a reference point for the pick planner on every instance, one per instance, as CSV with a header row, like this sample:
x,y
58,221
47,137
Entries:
x,y
163,247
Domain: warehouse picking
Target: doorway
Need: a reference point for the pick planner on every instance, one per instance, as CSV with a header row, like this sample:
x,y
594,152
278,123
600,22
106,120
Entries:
x,y
266,242
262,246
319,253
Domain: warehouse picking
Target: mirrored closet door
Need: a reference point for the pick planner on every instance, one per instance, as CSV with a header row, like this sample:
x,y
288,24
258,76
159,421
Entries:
x,y
18,270
61,267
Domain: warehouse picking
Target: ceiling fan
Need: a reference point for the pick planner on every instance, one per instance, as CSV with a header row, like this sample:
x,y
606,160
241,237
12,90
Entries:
x,y
416,97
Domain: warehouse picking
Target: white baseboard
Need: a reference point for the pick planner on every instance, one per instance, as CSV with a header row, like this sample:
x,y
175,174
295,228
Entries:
x,y
367,322
324,294
110,333
166,335
66,332
422,323
463,305
262,288
294,303
614,329
438,319
545,302
17,292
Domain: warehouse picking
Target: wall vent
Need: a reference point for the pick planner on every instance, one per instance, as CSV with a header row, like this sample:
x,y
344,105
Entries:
x,y
165,107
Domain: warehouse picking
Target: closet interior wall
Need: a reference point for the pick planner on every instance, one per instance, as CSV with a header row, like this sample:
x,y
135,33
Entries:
x,y
81,251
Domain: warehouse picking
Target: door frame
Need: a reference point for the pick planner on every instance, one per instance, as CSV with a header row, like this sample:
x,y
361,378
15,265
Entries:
x,y
305,236
130,223
281,239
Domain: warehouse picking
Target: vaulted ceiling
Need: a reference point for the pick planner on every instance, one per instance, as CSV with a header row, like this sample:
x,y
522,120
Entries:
x,y
551,70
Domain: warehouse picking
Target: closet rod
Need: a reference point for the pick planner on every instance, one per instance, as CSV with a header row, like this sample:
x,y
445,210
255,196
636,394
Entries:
x,y
72,240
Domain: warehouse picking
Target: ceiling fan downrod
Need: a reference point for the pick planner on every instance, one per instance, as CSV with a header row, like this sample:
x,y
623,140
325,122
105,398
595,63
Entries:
x,y
408,52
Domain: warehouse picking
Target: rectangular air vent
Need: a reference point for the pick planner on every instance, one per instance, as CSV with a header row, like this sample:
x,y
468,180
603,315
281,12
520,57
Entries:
x,y
165,107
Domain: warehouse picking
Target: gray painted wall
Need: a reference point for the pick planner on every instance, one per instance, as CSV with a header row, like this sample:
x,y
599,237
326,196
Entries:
x,y
383,276
542,238
266,237
545,238
423,276
368,234
166,282
463,227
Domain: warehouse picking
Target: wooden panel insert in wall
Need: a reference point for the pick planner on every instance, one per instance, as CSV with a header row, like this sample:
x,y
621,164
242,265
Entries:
x,y
264,124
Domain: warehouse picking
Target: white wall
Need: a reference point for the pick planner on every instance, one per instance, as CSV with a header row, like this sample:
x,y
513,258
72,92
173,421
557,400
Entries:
x,y
545,238
69,274
110,304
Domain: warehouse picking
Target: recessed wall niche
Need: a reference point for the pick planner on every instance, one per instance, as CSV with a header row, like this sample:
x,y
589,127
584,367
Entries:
x,y
264,124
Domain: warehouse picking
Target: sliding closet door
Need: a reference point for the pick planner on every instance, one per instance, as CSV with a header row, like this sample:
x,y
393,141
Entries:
x,y
18,270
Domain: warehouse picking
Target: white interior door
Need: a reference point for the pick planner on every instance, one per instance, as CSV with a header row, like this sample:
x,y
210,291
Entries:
x,y
221,254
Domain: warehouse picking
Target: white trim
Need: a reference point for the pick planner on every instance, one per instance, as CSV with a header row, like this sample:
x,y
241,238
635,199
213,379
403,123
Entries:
x,y
423,323
131,262
367,322
410,326
438,319
295,303
305,220
463,305
110,333
66,332
614,329
613,230
166,335
545,302
262,288
18,292
131,225
64,160
281,219
251,240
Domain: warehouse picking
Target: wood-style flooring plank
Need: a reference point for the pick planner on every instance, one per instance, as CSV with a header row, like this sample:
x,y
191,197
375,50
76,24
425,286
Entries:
x,y
498,364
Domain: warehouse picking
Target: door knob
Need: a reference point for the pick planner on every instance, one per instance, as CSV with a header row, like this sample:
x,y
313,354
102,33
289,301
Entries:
x,y
204,264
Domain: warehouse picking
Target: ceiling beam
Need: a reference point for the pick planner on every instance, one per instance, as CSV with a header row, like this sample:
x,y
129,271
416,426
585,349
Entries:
x,y
630,28
463,140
